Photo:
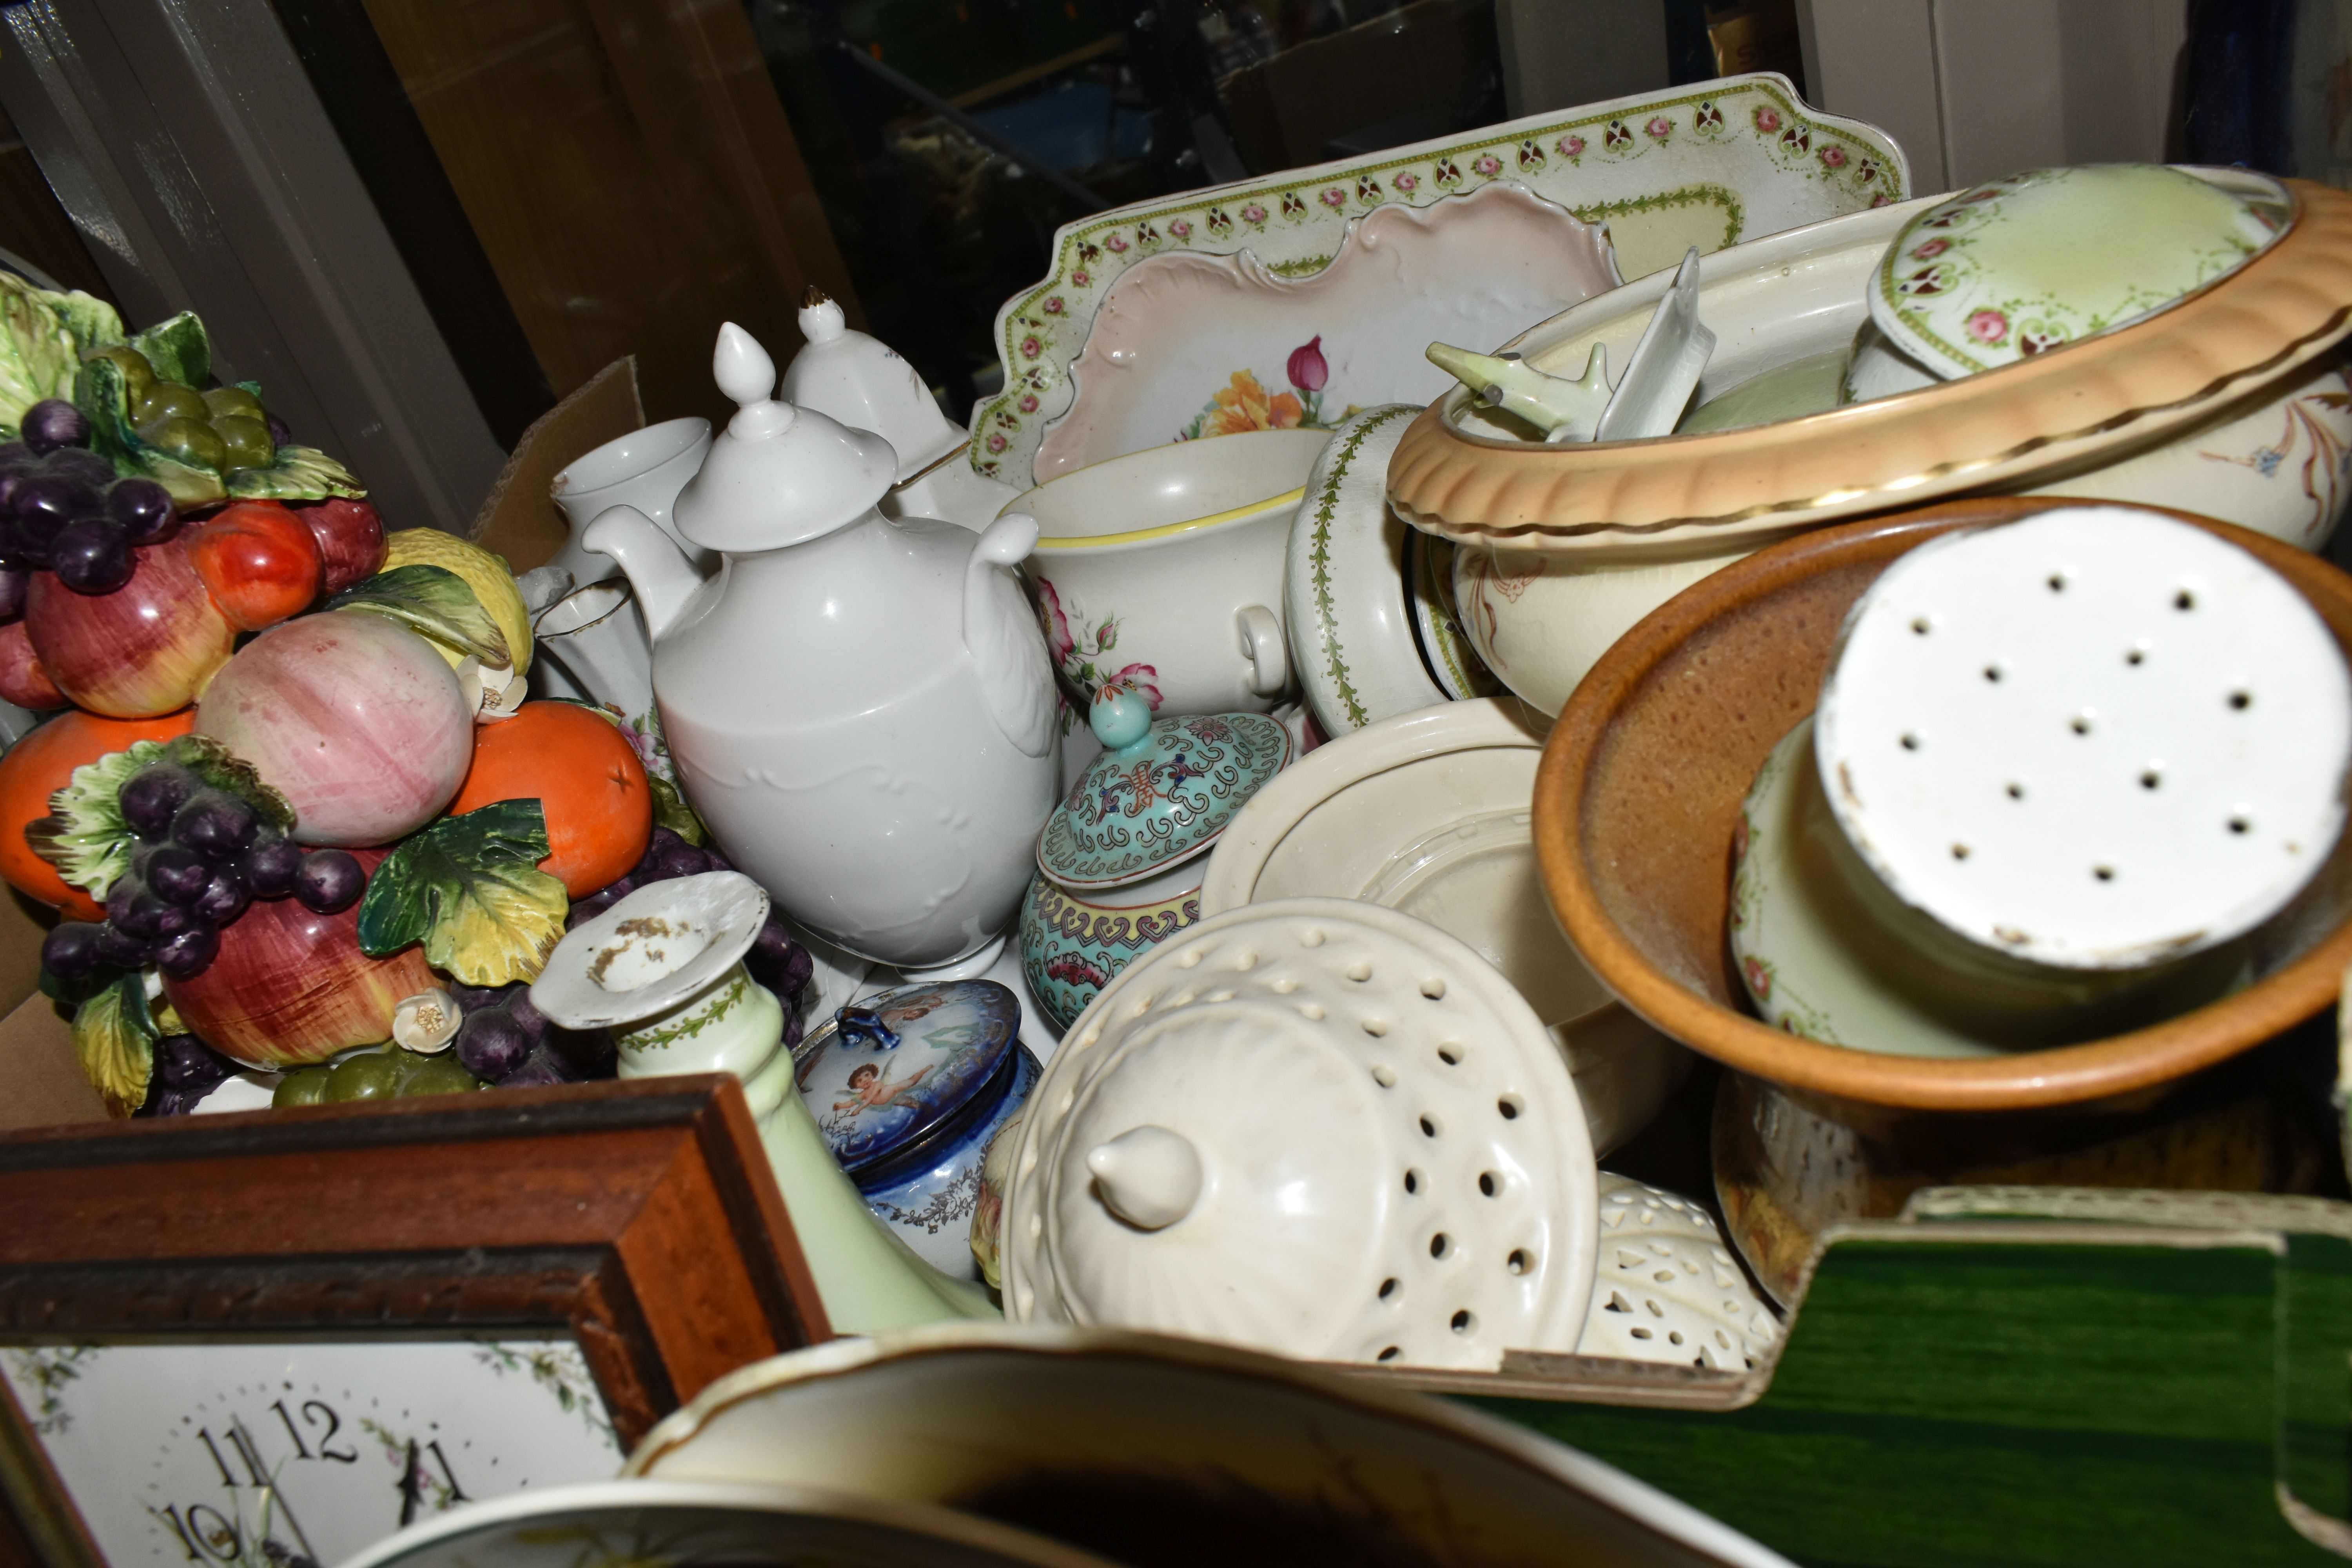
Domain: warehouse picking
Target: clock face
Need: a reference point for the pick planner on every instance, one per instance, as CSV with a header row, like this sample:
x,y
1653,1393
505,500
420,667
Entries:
x,y
237,1454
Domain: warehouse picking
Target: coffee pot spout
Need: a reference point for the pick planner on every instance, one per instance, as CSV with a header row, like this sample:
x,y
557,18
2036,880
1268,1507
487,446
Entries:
x,y
661,574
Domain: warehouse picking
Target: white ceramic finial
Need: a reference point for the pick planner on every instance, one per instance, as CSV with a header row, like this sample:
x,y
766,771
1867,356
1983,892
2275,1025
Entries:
x,y
1148,1176
745,374
821,319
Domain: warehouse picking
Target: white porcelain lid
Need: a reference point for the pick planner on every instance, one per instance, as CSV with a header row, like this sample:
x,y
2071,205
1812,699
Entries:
x,y
651,952
1314,1127
777,475
2097,739
861,381
2026,262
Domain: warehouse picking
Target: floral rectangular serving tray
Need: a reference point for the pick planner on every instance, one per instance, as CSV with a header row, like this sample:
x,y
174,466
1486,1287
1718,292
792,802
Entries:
x,y
1709,165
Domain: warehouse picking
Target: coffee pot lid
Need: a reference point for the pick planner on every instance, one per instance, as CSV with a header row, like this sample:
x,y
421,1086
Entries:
x,y
1312,1126
861,381
1161,792
777,475
889,1069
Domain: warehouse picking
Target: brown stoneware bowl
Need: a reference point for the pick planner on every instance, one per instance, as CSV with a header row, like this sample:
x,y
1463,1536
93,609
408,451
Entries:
x,y
1641,787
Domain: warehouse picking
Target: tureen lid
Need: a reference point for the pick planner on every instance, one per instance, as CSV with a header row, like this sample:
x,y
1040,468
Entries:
x,y
1162,789
2096,738
888,1070
2032,260
777,475
1316,1127
859,380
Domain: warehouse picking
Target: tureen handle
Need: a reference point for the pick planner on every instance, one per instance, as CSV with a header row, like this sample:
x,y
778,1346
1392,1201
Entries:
x,y
1001,633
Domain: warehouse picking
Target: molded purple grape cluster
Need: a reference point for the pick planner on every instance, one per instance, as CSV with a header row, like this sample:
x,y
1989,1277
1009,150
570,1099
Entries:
x,y
61,507
509,1042
187,1070
203,855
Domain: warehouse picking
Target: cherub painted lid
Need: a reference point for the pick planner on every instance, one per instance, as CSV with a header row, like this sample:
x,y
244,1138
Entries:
x,y
2029,261
888,1071
1161,792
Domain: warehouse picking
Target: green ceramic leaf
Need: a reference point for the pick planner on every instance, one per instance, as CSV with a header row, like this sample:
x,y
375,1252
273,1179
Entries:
x,y
225,770
671,811
91,320
179,349
115,1038
300,473
85,836
469,888
434,602
100,392
37,353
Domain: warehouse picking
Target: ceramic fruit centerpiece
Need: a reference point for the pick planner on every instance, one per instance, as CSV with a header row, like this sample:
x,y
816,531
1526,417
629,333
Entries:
x,y
1120,861
107,602
860,707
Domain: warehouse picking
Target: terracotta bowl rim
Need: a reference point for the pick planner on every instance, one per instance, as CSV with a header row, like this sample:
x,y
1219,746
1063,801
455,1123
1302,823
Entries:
x,y
2101,397
2065,1074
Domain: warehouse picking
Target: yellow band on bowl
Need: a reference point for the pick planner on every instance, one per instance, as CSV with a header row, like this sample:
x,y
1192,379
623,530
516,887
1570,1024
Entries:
x,y
1081,542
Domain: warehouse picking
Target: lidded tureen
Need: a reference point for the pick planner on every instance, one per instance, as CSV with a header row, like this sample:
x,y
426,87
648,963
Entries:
x,y
1120,860
1316,1127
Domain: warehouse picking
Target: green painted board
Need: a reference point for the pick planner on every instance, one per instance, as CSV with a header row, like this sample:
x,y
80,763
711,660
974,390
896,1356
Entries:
x,y
2024,1395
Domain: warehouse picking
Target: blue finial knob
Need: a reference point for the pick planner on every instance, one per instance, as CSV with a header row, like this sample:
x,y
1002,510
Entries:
x,y
1119,717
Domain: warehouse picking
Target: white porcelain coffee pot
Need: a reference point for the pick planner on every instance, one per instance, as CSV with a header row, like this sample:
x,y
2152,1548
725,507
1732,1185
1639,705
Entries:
x,y
861,381
860,708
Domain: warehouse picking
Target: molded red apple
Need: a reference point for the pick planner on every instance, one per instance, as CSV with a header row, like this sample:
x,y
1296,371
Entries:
x,y
146,648
350,535
356,720
259,562
22,679
290,987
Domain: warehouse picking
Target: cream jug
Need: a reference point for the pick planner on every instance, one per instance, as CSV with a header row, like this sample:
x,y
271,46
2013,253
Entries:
x,y
859,707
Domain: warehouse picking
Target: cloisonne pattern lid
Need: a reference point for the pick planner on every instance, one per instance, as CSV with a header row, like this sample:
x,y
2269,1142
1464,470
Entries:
x,y
2032,260
891,1068
1161,792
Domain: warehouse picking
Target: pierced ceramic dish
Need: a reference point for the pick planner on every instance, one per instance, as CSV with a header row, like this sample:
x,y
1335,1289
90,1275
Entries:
x,y
1029,1426
1414,1187
1665,170
1185,346
1372,629
1701,691
665,1524
2204,404
1667,1289
1162,571
1428,813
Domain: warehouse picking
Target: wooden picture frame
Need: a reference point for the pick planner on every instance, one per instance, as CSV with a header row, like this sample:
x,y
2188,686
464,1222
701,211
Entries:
x,y
641,1218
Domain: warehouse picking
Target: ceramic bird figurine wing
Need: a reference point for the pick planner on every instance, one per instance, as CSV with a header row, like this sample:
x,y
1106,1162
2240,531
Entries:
x,y
1001,633
1562,409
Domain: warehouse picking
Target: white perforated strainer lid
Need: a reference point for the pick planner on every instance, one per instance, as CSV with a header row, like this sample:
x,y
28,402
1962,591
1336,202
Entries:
x,y
1315,1127
2097,739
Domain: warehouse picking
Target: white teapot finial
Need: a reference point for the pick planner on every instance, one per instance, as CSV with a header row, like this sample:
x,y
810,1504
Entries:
x,y
746,374
821,319
1150,1176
